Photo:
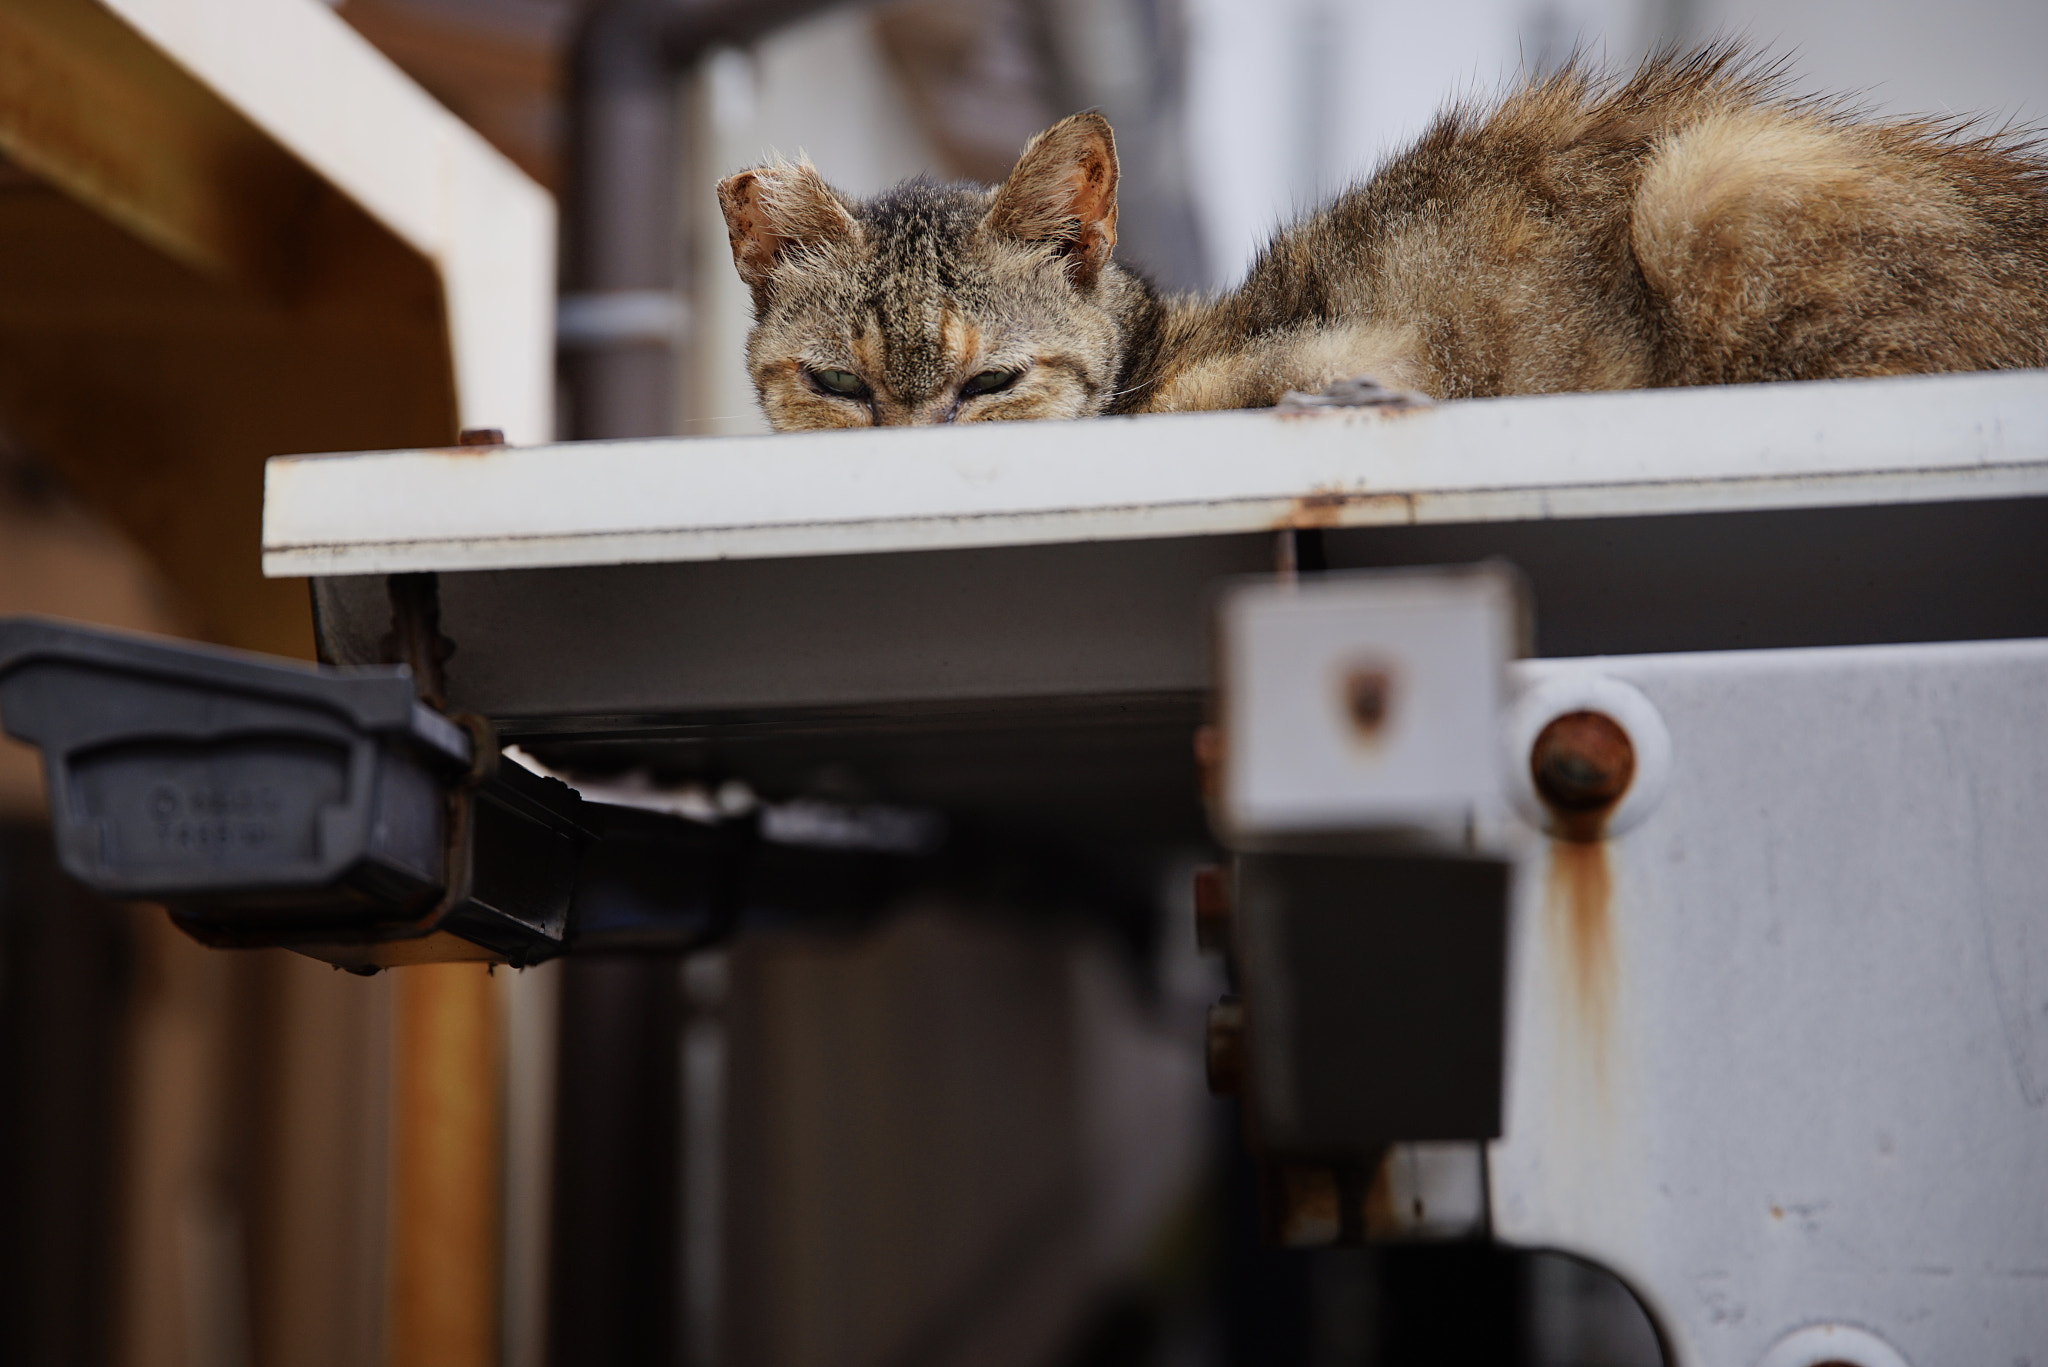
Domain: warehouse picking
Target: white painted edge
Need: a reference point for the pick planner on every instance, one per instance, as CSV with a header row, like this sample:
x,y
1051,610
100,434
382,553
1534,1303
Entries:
x,y
1838,443
321,91
1142,523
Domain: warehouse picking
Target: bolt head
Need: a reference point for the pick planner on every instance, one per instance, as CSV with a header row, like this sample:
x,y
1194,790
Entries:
x,y
1582,762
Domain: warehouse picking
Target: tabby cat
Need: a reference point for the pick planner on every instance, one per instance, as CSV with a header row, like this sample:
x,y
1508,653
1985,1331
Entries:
x,y
1690,224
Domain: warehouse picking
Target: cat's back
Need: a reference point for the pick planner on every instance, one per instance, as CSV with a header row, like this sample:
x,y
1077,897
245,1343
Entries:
x,y
1691,224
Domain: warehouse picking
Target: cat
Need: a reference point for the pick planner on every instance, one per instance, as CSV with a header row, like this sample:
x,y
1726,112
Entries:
x,y
1689,224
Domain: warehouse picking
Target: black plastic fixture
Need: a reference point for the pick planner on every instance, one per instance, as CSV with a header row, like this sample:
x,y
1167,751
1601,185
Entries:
x,y
267,802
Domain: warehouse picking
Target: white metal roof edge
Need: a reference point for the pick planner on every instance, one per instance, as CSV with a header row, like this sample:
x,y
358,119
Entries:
x,y
1918,439
1427,506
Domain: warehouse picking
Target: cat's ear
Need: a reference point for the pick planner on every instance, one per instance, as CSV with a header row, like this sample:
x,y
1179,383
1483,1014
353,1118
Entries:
x,y
774,209
1063,190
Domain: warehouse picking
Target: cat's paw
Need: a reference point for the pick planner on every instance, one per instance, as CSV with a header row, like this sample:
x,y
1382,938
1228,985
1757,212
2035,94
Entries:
x,y
1360,391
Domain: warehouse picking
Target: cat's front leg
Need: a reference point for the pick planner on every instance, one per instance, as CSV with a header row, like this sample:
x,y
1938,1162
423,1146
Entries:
x,y
1259,371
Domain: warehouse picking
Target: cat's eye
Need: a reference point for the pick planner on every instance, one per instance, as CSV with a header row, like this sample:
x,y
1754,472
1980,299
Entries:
x,y
989,382
844,383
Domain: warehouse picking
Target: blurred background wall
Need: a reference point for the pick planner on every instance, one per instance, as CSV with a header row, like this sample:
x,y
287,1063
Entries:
x,y
974,1133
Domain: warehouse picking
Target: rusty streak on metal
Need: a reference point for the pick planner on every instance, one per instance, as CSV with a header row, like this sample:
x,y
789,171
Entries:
x,y
1336,507
475,442
1582,764
1581,889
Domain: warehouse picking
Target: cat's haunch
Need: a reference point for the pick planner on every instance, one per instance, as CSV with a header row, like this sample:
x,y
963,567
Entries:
x,y
1691,224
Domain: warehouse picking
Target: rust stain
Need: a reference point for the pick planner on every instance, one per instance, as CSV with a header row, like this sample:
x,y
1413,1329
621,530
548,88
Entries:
x,y
1318,509
475,441
1327,508
1581,890
1582,764
1368,692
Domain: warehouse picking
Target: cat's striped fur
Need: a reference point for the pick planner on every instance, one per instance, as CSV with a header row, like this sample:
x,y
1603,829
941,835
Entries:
x,y
1691,224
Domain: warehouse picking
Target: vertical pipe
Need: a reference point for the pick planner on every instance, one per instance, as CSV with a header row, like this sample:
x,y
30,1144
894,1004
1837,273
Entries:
x,y
619,224
614,1281
621,247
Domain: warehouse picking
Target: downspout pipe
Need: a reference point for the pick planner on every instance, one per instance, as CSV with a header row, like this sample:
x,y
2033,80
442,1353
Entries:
x,y
622,310
616,1254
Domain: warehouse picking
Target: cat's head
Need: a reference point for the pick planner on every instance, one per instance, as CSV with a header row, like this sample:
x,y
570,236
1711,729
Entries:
x,y
935,303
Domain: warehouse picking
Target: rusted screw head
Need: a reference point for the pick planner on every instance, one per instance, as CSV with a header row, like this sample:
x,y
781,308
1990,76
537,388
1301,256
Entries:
x,y
1582,762
1368,697
481,436
1226,1047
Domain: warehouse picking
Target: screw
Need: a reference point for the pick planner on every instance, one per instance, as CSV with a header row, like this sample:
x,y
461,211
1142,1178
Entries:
x,y
1582,762
480,436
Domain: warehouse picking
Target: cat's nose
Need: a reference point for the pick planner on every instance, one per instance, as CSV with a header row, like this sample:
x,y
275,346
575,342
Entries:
x,y
928,413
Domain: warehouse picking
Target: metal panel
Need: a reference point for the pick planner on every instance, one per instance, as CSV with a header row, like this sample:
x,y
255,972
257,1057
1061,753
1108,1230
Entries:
x,y
626,646
1779,1054
1066,680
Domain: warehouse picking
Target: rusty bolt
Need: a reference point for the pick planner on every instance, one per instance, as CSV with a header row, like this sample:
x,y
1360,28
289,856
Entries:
x,y
1582,762
1212,908
1226,1047
480,436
